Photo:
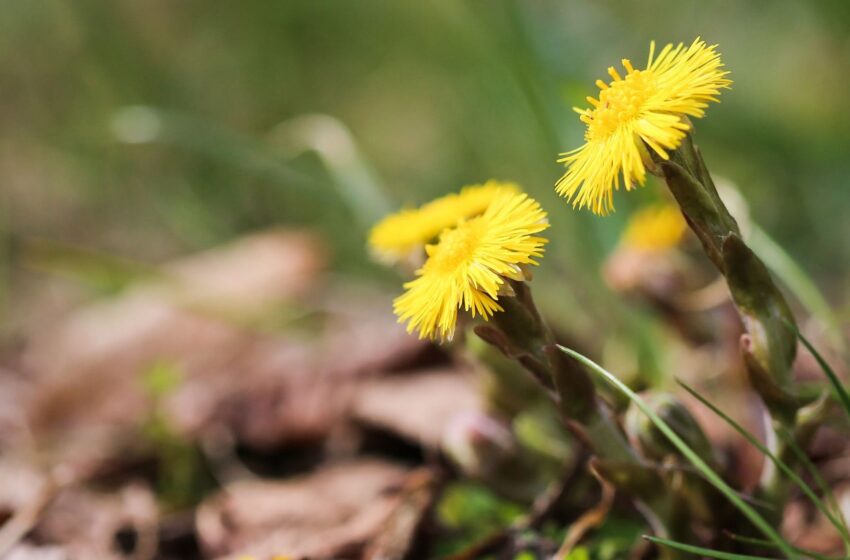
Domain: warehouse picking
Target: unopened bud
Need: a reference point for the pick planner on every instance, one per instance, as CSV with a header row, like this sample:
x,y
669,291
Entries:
x,y
652,441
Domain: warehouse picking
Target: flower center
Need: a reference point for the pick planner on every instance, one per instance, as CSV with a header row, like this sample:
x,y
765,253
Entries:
x,y
455,247
619,103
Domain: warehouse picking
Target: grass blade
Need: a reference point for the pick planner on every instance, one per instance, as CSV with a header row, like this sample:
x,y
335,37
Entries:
x,y
761,542
837,385
193,133
100,272
819,480
706,552
782,466
712,477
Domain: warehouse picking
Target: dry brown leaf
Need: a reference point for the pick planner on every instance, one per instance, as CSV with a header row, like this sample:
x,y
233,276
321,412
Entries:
x,y
15,395
21,485
268,389
88,365
87,524
810,529
418,405
248,275
28,552
398,537
326,514
303,396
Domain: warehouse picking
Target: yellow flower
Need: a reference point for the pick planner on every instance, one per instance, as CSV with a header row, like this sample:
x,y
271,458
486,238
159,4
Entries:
x,y
400,234
645,110
654,228
468,265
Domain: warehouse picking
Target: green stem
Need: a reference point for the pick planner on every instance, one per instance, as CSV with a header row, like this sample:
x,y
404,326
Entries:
x,y
769,347
712,477
521,334
606,438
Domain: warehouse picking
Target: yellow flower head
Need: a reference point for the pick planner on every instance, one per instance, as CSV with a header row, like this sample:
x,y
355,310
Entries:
x,y
398,235
469,263
655,228
644,110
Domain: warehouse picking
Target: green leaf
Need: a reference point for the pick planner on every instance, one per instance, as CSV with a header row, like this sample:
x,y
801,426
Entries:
x,y
162,378
712,477
471,512
782,466
762,542
703,551
837,385
100,272
578,553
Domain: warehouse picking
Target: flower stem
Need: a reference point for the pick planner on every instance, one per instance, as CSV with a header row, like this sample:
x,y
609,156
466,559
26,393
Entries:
x,y
521,334
769,345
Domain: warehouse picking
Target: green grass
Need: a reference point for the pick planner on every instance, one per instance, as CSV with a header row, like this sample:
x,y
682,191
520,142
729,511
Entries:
x,y
701,466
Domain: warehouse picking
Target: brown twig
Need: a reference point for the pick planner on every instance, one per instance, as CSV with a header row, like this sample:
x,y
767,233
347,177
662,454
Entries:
x,y
591,519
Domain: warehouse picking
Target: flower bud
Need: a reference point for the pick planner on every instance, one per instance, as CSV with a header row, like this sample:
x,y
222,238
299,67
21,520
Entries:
x,y
652,442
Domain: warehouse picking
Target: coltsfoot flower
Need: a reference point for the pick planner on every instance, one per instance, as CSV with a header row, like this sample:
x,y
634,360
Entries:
x,y
399,235
645,110
467,267
655,228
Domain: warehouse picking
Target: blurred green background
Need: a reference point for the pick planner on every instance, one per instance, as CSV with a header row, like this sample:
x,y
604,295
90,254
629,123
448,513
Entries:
x,y
150,129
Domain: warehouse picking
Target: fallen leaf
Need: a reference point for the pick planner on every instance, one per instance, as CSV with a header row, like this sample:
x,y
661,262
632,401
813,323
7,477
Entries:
x,y
329,513
418,405
88,524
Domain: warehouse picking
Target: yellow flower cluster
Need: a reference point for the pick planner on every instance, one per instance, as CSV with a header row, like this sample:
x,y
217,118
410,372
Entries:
x,y
645,110
399,235
474,240
468,265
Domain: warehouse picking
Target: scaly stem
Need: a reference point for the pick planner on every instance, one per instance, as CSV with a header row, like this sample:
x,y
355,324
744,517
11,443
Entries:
x,y
770,344
521,334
